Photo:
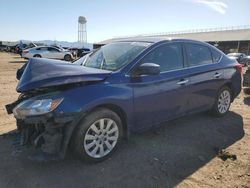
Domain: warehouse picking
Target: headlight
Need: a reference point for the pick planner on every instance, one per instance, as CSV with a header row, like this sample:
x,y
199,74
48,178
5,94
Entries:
x,y
35,107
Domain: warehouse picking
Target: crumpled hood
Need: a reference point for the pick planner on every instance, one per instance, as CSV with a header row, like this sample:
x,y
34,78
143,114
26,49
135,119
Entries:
x,y
40,73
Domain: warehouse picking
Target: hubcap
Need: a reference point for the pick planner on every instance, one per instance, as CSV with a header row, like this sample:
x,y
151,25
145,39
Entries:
x,y
101,138
224,101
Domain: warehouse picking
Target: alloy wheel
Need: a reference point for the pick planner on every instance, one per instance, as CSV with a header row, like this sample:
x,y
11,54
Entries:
x,y
224,101
101,138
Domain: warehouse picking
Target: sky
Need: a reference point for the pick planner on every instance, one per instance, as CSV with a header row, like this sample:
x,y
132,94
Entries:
x,y
57,19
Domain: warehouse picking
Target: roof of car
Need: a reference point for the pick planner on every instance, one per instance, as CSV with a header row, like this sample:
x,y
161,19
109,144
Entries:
x,y
152,39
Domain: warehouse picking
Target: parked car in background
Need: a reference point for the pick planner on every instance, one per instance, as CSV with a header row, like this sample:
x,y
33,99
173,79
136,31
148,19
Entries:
x,y
11,48
126,86
74,51
3,47
79,52
20,47
246,80
47,52
82,52
248,60
240,57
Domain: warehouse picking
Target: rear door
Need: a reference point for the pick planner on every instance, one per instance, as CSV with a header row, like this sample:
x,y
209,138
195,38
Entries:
x,y
161,97
205,76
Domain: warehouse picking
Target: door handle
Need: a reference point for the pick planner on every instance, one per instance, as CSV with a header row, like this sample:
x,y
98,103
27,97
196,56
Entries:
x,y
182,82
217,75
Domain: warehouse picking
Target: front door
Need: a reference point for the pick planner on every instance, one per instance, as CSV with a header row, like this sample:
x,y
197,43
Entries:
x,y
54,53
158,98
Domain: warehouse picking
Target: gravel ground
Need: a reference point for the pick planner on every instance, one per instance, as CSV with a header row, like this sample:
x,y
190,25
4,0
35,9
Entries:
x,y
180,153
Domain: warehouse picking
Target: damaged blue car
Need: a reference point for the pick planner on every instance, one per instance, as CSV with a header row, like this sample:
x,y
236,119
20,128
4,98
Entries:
x,y
125,86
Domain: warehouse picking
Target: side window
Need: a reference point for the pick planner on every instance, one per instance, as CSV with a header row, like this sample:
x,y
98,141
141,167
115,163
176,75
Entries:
x,y
44,49
53,50
198,55
168,56
216,55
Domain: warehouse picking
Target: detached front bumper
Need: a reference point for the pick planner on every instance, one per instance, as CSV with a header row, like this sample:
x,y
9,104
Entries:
x,y
44,134
48,134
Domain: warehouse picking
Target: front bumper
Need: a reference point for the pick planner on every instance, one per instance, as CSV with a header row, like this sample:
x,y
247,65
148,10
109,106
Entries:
x,y
45,133
49,134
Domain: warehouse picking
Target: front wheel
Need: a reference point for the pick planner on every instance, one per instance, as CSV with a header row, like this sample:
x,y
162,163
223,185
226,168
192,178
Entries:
x,y
223,102
98,135
67,57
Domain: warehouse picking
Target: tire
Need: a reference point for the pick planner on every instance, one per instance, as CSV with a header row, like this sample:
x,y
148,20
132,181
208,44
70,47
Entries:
x,y
89,141
37,56
223,102
67,57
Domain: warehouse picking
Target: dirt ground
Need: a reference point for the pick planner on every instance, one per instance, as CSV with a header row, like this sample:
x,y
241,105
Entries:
x,y
180,153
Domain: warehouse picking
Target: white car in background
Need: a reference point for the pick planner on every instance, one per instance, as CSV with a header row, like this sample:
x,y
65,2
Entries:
x,y
47,52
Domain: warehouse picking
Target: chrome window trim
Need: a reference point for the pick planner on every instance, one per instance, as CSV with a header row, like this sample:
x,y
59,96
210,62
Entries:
x,y
184,53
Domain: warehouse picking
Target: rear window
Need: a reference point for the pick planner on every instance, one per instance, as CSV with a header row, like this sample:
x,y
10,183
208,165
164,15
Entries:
x,y
198,54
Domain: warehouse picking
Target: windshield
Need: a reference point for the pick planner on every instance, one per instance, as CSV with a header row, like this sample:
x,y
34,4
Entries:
x,y
114,56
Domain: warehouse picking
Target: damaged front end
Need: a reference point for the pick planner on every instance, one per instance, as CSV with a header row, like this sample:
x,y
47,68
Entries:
x,y
43,85
39,127
42,135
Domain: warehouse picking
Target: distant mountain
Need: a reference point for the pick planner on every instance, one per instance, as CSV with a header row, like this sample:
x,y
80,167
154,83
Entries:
x,y
65,43
52,42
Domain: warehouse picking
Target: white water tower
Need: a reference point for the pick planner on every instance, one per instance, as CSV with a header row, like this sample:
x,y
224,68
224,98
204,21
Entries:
x,y
82,31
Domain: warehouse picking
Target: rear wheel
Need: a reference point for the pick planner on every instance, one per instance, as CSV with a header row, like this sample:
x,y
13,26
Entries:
x,y
98,135
223,102
37,56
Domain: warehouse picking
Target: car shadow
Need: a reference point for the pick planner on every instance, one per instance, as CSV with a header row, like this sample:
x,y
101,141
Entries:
x,y
160,157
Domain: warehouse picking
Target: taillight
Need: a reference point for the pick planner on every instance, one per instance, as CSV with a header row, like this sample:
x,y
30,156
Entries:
x,y
239,68
25,52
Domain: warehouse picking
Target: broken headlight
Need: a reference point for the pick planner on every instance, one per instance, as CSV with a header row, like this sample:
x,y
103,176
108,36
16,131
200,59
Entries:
x,y
35,107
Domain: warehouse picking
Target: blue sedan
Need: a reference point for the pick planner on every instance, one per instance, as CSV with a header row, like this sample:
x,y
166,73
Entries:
x,y
125,86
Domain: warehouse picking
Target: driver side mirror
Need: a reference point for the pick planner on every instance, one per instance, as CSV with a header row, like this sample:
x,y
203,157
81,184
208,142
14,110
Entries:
x,y
148,69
